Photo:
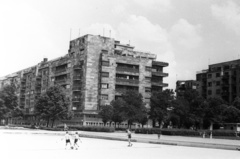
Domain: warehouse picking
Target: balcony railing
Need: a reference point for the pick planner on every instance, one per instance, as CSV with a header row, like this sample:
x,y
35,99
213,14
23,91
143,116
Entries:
x,y
61,71
160,83
158,63
124,81
77,77
76,99
76,88
160,74
127,69
77,67
61,81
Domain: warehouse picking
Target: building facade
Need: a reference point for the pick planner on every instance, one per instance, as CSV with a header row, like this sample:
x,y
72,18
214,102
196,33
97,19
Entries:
x,y
183,85
220,80
95,71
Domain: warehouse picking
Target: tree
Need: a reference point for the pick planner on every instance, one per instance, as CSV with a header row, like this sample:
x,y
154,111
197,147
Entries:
x,y
9,102
3,110
236,103
134,106
52,105
179,115
160,103
106,113
118,115
214,110
231,115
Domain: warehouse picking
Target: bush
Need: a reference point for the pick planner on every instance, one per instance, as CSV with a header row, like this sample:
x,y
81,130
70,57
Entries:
x,y
227,133
88,128
176,132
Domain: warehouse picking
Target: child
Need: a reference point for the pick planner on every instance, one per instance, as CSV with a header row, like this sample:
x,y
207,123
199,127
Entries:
x,y
76,138
129,137
67,139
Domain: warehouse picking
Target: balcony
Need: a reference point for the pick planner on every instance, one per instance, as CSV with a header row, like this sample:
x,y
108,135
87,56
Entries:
x,y
77,77
76,88
77,67
160,74
159,83
77,99
127,70
123,81
38,84
61,81
61,71
158,63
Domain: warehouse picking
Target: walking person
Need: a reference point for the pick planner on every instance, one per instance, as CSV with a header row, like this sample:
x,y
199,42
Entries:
x,y
129,137
67,139
76,138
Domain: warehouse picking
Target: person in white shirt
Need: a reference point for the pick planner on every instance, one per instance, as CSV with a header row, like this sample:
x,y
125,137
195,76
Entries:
x,y
76,138
67,139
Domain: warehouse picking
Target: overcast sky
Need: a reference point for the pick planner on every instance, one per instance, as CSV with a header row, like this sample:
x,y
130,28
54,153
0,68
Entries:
x,y
188,34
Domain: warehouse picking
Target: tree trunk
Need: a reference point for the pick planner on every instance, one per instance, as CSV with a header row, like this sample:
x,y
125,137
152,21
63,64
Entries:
x,y
47,122
53,122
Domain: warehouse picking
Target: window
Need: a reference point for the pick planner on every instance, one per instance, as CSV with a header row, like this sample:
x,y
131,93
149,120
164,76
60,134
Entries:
x,y
209,75
209,92
218,91
209,84
217,74
147,89
105,51
148,79
104,85
147,68
105,74
105,63
104,97
218,83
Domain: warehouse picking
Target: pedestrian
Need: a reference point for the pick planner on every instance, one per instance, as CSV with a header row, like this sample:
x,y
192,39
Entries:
x,y
129,137
67,139
76,138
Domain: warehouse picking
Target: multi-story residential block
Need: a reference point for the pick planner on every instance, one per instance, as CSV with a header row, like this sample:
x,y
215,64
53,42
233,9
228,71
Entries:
x,y
183,85
95,71
220,80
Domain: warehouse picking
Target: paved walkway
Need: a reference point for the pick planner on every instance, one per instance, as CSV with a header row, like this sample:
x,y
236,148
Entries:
x,y
144,138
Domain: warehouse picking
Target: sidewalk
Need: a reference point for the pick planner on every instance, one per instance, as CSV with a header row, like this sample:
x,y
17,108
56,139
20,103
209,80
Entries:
x,y
144,138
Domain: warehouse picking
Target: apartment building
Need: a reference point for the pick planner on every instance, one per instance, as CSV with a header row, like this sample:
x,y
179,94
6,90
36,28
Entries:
x,y
95,71
220,80
183,85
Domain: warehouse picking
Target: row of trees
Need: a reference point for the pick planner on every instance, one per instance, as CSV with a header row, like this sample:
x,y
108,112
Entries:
x,y
191,110
129,108
52,105
182,112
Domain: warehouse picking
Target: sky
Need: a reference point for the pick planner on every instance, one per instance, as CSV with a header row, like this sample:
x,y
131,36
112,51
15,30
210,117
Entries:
x,y
188,34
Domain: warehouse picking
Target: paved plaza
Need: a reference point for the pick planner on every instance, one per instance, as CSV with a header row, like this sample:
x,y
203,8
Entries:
x,y
28,145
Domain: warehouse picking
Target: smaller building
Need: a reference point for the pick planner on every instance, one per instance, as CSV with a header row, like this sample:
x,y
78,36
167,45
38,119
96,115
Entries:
x,y
183,85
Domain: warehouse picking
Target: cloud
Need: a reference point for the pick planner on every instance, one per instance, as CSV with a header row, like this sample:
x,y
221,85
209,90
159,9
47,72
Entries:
x,y
185,34
228,14
160,5
147,36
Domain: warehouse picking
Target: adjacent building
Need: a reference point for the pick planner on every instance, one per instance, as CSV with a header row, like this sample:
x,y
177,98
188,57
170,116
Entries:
x,y
220,80
183,85
95,71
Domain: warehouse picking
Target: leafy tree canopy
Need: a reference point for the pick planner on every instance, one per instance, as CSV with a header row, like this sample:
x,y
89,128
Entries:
x,y
53,105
